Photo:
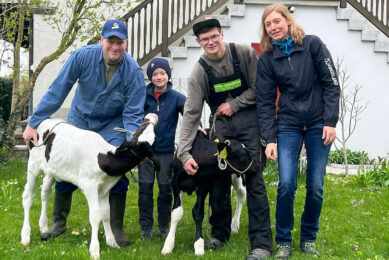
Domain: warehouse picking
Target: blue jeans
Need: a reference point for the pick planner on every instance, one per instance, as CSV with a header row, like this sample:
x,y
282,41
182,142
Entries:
x,y
289,142
120,187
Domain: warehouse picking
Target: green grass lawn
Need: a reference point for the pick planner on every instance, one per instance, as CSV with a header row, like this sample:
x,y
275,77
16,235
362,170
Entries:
x,y
354,224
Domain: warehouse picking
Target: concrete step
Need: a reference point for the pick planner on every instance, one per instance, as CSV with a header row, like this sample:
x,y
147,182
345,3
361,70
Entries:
x,y
236,10
23,124
382,43
369,33
19,139
225,20
190,41
22,152
178,52
357,22
344,13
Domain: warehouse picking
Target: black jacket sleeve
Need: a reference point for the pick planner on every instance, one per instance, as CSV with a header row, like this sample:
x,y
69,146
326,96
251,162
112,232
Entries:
x,y
266,95
329,81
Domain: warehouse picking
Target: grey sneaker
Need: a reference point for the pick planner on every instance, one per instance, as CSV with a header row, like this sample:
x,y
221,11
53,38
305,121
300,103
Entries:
x,y
213,243
163,231
258,254
309,248
283,251
146,232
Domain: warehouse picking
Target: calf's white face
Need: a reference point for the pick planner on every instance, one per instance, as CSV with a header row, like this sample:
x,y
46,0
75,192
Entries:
x,y
145,132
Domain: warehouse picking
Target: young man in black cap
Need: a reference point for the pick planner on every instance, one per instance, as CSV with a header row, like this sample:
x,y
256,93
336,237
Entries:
x,y
110,93
225,77
167,103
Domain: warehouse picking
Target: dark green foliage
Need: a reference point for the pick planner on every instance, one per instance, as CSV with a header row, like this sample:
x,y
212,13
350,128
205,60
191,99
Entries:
x,y
378,176
357,158
5,98
271,171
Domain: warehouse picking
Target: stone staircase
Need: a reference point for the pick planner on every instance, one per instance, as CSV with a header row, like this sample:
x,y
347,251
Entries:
x,y
20,149
181,52
369,32
357,22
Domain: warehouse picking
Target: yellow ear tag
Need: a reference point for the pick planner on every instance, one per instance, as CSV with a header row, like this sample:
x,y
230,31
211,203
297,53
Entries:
x,y
216,140
223,153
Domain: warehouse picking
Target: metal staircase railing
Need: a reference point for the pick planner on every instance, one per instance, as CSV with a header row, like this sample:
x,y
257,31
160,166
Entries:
x,y
155,24
376,11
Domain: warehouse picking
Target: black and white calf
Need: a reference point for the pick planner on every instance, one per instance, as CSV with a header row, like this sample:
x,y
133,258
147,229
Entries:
x,y
84,158
226,157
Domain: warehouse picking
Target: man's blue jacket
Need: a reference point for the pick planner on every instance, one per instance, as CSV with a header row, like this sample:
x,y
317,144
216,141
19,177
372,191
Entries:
x,y
96,106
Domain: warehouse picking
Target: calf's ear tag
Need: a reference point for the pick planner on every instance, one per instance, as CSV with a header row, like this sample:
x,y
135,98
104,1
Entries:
x,y
223,153
216,140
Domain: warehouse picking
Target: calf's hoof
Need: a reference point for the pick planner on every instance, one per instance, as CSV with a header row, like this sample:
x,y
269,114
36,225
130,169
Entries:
x,y
235,226
199,247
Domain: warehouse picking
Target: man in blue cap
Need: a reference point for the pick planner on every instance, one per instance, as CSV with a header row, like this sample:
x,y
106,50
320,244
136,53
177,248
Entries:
x,y
110,93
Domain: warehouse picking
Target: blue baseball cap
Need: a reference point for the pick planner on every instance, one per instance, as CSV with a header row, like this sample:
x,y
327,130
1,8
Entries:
x,y
114,28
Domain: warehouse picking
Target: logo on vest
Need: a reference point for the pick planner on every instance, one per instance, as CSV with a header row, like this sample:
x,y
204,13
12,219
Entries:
x,y
115,26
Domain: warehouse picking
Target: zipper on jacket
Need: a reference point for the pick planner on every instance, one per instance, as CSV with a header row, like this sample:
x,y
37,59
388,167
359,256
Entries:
x,y
157,106
290,63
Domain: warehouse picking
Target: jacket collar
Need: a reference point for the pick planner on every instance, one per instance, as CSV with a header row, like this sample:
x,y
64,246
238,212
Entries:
x,y
150,88
277,53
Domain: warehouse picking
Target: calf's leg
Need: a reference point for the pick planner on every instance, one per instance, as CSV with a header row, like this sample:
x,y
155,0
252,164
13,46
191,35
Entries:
x,y
28,196
240,191
94,219
176,216
198,216
106,218
45,194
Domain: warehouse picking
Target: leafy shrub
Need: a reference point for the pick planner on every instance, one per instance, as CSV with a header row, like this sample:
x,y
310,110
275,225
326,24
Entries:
x,y
3,156
378,176
357,158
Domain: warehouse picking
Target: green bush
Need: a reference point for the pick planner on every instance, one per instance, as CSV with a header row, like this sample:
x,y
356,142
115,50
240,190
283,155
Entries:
x,y
5,98
357,158
378,176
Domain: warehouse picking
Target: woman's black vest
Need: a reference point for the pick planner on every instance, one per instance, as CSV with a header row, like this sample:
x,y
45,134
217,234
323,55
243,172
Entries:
x,y
226,88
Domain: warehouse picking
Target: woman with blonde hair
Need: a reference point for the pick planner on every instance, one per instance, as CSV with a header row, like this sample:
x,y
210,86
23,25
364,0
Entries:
x,y
301,67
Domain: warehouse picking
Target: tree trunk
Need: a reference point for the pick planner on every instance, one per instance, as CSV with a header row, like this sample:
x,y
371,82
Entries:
x,y
7,139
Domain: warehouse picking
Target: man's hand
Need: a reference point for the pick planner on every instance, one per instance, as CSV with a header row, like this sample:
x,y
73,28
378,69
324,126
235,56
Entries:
x,y
329,134
30,133
271,151
202,130
191,166
224,109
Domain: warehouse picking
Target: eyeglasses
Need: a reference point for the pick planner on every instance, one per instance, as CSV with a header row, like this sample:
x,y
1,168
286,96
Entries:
x,y
213,38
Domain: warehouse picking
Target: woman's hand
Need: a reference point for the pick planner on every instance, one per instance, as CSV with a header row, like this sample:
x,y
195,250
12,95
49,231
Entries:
x,y
329,135
271,151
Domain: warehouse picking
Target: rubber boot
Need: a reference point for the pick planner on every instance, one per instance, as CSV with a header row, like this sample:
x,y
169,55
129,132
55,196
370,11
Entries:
x,y
61,209
117,204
